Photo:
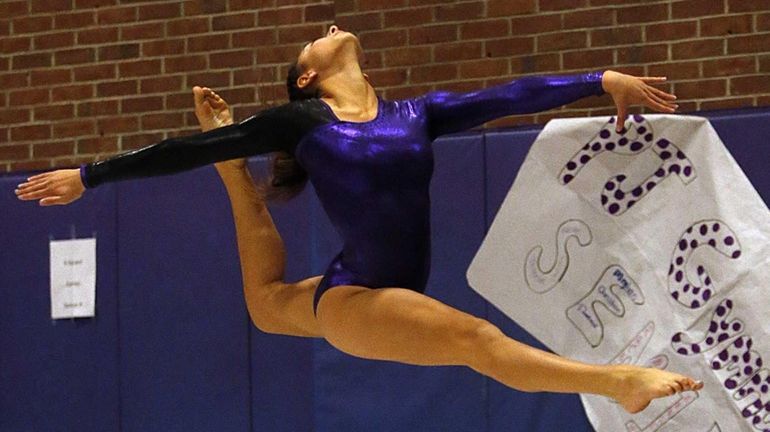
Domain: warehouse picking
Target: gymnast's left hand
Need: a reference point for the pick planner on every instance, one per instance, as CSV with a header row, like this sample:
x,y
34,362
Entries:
x,y
58,187
629,90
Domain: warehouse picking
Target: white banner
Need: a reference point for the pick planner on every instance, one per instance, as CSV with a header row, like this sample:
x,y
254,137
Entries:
x,y
73,278
648,247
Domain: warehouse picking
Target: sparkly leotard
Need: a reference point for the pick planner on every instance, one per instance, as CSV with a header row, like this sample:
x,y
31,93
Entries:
x,y
372,177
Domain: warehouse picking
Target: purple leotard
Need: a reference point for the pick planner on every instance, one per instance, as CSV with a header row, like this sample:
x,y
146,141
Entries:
x,y
372,177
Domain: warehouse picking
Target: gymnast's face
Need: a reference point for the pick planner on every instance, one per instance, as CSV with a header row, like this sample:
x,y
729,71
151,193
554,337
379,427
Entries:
x,y
329,54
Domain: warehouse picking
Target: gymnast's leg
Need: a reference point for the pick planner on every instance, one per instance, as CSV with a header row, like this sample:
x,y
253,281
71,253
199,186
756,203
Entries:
x,y
274,306
405,326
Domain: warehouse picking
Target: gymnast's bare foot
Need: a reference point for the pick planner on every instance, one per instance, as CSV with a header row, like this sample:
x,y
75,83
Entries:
x,y
639,386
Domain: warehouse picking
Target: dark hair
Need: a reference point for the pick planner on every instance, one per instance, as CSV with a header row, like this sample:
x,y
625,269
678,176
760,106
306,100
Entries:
x,y
287,178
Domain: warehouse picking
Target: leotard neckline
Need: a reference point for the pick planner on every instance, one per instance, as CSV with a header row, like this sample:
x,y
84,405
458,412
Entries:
x,y
377,116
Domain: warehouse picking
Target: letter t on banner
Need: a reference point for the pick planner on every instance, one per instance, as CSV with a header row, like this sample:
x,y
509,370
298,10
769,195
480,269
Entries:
x,y
73,278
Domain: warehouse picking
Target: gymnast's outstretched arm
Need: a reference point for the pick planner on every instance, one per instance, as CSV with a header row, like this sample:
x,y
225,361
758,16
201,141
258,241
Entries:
x,y
450,112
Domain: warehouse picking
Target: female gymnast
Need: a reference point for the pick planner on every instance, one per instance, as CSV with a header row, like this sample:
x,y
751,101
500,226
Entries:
x,y
371,161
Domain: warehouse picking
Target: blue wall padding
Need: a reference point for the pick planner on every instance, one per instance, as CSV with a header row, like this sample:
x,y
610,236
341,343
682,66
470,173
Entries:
x,y
56,375
172,348
183,322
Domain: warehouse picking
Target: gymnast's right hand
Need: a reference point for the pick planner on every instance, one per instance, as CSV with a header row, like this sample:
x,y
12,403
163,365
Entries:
x,y
58,187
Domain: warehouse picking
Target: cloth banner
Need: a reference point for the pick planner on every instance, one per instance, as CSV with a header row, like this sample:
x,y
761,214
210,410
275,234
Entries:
x,y
646,247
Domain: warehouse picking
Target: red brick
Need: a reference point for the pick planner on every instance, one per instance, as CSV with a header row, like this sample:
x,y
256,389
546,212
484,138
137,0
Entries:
x,y
83,4
31,133
10,9
701,89
231,59
384,39
433,73
116,88
51,5
50,77
74,20
616,36
30,61
14,80
763,22
54,40
763,101
530,25
561,41
408,17
675,70
14,115
585,18
162,47
130,142
748,44
117,125
72,129
162,84
97,145
365,5
33,24
277,54
560,5
141,104
30,165
116,15
139,68
15,44
252,38
696,8
234,96
74,56
748,6
484,68
53,149
54,112
433,34
161,121
642,54
14,152
727,103
457,51
643,13
160,10
235,21
97,108
749,85
245,76
320,12
729,66
118,52
509,46
728,25
180,27
588,59
764,64
185,63
95,72
35,96
5,28
282,16
485,29
360,22
697,49
387,77
153,30
535,63
671,31
460,11
511,7
299,34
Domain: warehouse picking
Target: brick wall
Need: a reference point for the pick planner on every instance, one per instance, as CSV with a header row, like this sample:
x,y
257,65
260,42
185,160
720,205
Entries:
x,y
83,79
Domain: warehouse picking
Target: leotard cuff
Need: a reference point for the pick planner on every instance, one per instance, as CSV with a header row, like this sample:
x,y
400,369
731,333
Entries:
x,y
595,78
83,176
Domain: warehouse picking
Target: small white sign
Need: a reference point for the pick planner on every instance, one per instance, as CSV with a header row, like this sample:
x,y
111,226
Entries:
x,y
73,278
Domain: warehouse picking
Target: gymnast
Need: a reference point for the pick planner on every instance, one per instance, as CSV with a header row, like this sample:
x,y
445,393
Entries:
x,y
371,161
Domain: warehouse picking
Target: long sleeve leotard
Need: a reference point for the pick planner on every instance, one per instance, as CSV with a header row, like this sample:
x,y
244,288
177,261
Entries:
x,y
372,177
